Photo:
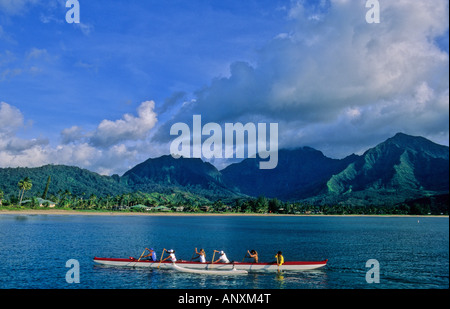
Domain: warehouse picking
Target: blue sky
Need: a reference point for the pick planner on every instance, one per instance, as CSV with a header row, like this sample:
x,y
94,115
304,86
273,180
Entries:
x,y
127,52
103,94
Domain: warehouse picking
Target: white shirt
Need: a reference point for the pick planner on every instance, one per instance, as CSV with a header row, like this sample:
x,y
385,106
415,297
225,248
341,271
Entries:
x,y
224,259
172,257
202,259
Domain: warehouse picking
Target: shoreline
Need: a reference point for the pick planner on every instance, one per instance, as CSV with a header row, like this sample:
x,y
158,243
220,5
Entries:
x,y
114,213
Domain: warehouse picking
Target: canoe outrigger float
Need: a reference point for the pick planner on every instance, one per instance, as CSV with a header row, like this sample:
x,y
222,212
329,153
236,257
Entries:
x,y
233,271
189,266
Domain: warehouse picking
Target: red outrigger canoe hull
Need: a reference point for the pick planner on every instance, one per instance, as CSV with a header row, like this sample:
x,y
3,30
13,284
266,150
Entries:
x,y
287,266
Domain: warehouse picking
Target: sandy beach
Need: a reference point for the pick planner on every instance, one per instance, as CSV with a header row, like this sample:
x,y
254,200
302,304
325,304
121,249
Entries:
x,y
117,213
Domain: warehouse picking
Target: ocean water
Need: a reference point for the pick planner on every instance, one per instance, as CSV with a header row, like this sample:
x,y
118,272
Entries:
x,y
413,253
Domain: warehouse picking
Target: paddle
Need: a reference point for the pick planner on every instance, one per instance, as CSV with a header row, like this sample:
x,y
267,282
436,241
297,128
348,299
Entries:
x,y
244,257
161,258
212,261
141,255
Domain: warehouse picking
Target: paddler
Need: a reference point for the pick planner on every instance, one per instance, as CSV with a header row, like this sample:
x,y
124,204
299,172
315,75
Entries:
x,y
201,255
151,255
280,258
253,254
223,257
171,255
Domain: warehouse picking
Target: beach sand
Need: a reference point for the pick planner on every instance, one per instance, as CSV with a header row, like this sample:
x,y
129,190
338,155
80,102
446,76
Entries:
x,y
118,213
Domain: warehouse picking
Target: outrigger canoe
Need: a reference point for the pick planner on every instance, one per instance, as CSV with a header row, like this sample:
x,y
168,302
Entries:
x,y
250,267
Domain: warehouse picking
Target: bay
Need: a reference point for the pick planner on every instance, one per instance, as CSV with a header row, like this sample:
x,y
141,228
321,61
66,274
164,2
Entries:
x,y
413,253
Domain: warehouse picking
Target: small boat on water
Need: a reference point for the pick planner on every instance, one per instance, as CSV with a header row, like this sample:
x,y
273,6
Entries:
x,y
250,267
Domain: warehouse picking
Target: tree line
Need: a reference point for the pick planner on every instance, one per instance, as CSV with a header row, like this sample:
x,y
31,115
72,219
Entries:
x,y
185,202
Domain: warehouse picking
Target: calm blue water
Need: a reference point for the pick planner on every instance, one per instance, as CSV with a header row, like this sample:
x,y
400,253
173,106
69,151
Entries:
x,y
411,254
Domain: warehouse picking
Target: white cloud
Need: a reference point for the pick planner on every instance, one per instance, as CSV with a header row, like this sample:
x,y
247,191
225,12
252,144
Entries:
x,y
331,81
11,119
72,134
16,151
112,132
335,73
114,147
132,128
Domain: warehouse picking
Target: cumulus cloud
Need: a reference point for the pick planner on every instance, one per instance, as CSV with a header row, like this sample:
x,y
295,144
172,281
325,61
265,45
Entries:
x,y
71,135
113,147
130,127
112,132
11,146
11,119
336,79
331,81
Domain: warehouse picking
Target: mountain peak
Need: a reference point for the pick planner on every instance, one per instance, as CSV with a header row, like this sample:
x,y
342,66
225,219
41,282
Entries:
x,y
419,144
403,138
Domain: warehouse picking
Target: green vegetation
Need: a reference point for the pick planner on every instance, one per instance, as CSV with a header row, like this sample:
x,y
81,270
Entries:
x,y
186,202
77,181
403,175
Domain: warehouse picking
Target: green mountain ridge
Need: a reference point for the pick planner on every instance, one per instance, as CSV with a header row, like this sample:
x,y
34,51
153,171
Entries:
x,y
300,173
191,175
400,162
401,168
77,181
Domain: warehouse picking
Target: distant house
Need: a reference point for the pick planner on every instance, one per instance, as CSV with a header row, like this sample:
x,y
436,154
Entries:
x,y
141,207
161,208
41,202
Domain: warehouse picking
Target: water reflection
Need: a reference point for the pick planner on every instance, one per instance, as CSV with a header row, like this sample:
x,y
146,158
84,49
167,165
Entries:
x,y
308,279
169,279
280,280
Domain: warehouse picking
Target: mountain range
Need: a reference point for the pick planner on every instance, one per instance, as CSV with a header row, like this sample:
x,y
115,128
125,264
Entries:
x,y
401,168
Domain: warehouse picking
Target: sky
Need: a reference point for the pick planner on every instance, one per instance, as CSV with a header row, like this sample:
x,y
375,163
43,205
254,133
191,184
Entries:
x,y
104,93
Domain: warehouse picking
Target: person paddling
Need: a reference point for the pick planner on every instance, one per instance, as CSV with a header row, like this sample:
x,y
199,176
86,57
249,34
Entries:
x,y
151,255
223,257
171,256
280,258
200,255
253,254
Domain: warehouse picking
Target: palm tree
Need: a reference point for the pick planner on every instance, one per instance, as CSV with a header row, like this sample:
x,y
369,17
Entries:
x,y
44,195
24,185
